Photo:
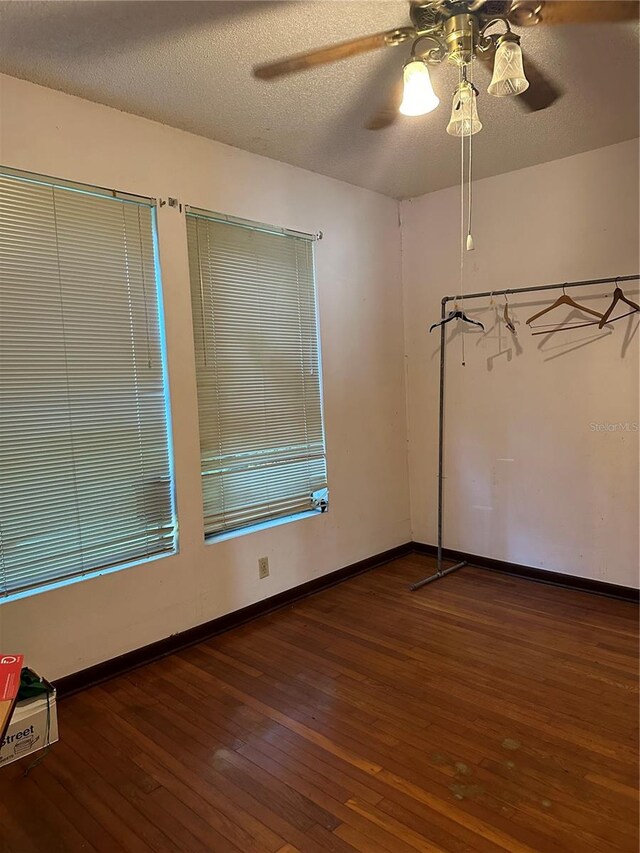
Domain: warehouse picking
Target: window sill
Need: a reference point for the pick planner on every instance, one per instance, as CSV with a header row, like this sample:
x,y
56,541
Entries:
x,y
97,573
263,525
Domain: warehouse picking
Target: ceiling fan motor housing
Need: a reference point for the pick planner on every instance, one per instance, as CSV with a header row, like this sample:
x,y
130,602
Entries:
x,y
458,23
461,36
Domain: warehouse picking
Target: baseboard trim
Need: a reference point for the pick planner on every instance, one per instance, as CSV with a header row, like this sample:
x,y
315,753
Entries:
x,y
69,684
611,590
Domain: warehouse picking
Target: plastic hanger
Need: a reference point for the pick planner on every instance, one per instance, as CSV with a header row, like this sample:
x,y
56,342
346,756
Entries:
x,y
564,300
618,296
507,320
457,314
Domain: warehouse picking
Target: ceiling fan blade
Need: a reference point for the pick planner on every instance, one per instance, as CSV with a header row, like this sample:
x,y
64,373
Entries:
x,y
541,92
333,53
387,114
588,11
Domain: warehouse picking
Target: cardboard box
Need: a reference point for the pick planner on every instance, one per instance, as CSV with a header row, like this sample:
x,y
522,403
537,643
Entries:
x,y
32,727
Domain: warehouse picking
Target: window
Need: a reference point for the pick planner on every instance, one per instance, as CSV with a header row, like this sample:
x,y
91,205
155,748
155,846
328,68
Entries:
x,y
257,363
85,472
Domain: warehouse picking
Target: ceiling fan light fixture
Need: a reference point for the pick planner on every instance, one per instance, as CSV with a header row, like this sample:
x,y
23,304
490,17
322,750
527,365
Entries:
x,y
464,119
418,95
508,72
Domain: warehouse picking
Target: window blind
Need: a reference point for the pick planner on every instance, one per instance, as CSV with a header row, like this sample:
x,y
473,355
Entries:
x,y
85,479
257,361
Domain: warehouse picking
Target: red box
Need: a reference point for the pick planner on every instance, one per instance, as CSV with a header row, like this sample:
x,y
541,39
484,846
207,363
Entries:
x,y
10,668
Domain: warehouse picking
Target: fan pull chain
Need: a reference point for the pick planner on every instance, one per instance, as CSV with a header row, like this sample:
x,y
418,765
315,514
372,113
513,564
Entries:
x,y
466,237
470,178
462,354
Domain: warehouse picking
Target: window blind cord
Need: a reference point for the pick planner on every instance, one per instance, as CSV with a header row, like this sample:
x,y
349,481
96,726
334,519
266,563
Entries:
x,y
3,573
67,385
144,483
202,314
144,292
304,377
213,329
264,390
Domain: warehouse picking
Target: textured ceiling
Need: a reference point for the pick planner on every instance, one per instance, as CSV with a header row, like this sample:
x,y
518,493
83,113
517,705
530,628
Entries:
x,y
187,64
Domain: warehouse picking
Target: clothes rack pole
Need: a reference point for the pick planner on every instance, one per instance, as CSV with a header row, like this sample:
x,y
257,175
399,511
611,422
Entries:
x,y
440,571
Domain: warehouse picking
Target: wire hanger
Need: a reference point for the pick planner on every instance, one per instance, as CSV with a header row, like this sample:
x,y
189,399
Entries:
x,y
618,296
564,300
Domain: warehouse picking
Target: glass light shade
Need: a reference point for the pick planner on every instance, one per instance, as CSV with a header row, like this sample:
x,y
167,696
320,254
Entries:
x,y
418,97
508,73
464,119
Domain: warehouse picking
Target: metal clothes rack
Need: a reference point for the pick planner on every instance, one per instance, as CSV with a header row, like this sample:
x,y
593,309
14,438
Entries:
x,y
440,572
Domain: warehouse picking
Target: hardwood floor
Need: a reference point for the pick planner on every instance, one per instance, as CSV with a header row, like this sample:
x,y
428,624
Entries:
x,y
482,713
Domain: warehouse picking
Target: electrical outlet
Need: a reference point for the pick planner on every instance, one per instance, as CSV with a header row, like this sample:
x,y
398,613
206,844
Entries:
x,y
263,567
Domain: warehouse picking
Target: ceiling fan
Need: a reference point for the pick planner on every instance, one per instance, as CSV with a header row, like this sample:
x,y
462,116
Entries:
x,y
461,31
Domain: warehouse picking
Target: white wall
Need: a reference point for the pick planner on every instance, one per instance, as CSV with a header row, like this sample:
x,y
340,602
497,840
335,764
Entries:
x,y
527,479
360,303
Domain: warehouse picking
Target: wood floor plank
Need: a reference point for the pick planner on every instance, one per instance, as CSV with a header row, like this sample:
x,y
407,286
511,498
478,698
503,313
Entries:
x,y
331,801
157,735
484,713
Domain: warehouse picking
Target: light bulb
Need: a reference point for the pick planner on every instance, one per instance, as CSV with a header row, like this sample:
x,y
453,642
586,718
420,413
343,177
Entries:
x,y
418,97
508,73
464,119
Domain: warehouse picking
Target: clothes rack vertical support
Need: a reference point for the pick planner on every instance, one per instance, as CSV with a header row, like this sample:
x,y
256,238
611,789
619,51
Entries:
x,y
440,572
